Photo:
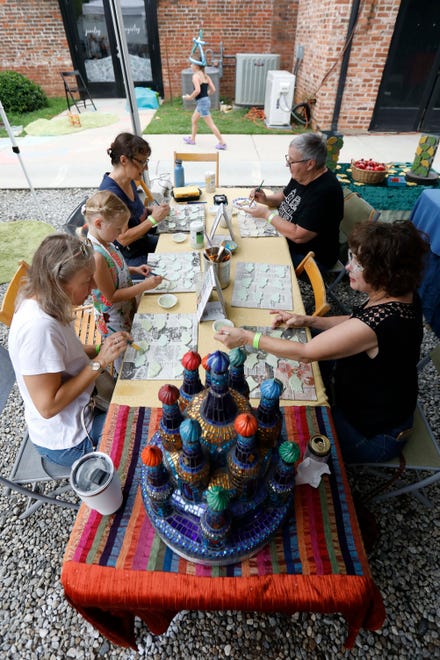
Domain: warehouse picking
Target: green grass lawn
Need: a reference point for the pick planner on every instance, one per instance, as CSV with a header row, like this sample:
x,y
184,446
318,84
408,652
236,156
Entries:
x,y
171,117
56,105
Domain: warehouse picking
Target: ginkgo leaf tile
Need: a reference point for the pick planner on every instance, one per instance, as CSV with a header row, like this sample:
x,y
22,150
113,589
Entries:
x,y
154,369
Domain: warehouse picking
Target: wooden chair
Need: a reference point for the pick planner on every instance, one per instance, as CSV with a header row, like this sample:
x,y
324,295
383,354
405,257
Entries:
x,y
309,265
356,210
84,318
421,453
197,157
8,304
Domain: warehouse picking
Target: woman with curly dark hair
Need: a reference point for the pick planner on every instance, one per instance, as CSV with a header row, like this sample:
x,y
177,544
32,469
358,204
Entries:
x,y
376,348
129,155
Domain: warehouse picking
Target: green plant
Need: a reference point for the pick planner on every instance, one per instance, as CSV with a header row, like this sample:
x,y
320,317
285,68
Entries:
x,y
19,94
55,106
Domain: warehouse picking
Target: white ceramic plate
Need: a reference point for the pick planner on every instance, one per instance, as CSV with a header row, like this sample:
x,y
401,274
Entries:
x,y
167,301
243,203
180,237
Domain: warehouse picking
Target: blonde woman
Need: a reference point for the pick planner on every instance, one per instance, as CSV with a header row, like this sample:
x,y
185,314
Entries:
x,y
55,372
203,87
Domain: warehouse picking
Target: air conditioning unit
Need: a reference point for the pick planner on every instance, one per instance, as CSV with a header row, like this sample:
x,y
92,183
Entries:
x,y
279,98
250,76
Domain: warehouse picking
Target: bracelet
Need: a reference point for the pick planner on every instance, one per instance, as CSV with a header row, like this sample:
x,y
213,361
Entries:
x,y
271,216
256,340
153,222
97,348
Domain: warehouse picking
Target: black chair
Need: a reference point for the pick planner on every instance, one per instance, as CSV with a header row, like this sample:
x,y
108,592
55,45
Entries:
x,y
76,90
76,221
30,471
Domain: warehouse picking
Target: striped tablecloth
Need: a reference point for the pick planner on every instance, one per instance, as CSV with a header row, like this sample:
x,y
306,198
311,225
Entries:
x,y
116,567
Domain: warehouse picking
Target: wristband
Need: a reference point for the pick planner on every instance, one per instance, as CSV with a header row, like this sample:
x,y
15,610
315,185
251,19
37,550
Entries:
x,y
256,340
271,216
97,348
153,222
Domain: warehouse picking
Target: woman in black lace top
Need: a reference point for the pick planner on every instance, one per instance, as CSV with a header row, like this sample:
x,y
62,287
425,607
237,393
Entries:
x,y
376,348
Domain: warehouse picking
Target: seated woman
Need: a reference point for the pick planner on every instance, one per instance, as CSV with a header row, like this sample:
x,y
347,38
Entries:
x,y
376,348
310,208
55,372
129,156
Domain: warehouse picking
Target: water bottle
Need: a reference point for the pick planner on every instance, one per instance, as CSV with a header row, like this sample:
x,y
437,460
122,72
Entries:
x,y
179,174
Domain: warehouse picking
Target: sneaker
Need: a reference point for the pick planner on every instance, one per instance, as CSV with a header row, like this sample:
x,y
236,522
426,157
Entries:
x,y
188,140
220,146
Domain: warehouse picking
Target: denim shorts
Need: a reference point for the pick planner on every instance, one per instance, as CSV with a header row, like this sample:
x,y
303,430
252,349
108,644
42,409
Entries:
x,y
203,106
67,457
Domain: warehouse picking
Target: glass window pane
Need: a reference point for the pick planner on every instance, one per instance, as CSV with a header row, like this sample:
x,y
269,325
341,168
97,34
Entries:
x,y
94,40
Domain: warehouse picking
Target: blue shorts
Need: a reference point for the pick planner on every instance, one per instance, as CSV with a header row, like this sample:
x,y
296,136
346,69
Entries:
x,y
67,457
203,106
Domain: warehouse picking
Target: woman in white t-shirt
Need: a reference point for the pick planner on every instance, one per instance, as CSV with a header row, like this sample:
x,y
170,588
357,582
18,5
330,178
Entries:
x,y
55,372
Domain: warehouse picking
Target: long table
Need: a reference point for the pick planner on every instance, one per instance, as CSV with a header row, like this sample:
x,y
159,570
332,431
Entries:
x,y
257,250
116,567
426,216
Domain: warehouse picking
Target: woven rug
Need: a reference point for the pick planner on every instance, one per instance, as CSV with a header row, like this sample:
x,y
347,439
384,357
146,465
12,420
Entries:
x,y
61,125
383,197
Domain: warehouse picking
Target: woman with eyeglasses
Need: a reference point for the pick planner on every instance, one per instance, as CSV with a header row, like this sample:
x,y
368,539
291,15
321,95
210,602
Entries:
x,y
309,210
375,349
129,156
55,372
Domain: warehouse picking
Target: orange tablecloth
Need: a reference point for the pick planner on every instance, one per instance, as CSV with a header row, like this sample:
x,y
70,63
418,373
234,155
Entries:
x,y
116,567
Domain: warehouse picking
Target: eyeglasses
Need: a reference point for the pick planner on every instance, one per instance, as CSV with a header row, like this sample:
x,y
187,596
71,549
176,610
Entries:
x,y
141,163
353,262
85,249
294,162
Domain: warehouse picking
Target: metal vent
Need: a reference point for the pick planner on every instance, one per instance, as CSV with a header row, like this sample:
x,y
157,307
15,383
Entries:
x,y
250,76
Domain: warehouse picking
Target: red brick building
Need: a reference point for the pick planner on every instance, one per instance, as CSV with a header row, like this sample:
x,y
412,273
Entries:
x,y
370,64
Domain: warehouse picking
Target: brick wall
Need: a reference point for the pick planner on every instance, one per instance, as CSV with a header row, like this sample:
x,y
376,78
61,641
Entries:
x,y
322,29
33,42
243,26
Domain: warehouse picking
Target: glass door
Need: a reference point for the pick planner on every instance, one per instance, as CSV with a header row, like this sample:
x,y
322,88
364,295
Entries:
x,y
91,37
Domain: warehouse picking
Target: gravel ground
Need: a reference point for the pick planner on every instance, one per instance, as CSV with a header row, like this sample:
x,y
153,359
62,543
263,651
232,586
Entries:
x,y
36,621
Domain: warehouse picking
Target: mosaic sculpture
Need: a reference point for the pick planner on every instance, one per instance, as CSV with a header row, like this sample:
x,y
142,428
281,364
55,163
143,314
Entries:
x,y
217,481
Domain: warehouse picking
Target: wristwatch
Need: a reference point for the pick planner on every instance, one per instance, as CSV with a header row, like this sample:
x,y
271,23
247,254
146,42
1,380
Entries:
x,y
95,365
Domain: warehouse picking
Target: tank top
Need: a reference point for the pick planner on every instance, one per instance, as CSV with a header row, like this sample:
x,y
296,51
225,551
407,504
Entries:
x,y
203,91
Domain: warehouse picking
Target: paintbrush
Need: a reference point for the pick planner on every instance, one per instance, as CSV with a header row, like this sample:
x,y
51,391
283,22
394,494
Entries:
x,y
257,189
159,275
129,341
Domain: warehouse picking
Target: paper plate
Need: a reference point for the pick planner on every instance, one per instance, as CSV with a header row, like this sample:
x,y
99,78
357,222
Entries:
x,y
243,203
179,237
167,301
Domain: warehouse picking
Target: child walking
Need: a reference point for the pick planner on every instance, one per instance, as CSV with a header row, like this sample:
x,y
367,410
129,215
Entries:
x,y
114,297
203,87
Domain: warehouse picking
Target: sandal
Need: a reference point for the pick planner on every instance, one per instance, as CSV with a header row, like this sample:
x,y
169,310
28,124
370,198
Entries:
x,y
188,140
220,146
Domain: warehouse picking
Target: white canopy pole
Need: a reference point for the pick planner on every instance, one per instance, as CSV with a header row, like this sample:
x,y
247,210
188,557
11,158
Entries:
x,y
124,57
16,150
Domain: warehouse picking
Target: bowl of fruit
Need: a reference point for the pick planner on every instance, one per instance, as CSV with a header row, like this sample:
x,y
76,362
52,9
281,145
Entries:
x,y
368,171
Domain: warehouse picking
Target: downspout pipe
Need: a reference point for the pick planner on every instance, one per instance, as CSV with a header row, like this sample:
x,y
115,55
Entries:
x,y
344,66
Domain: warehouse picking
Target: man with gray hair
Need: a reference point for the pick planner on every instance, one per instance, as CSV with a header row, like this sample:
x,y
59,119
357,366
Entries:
x,y
308,211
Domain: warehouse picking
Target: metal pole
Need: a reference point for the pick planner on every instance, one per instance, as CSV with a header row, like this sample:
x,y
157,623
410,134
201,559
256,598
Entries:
x,y
16,150
121,40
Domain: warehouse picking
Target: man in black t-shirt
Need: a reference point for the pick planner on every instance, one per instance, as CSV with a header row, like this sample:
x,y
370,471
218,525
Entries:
x,y
311,206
